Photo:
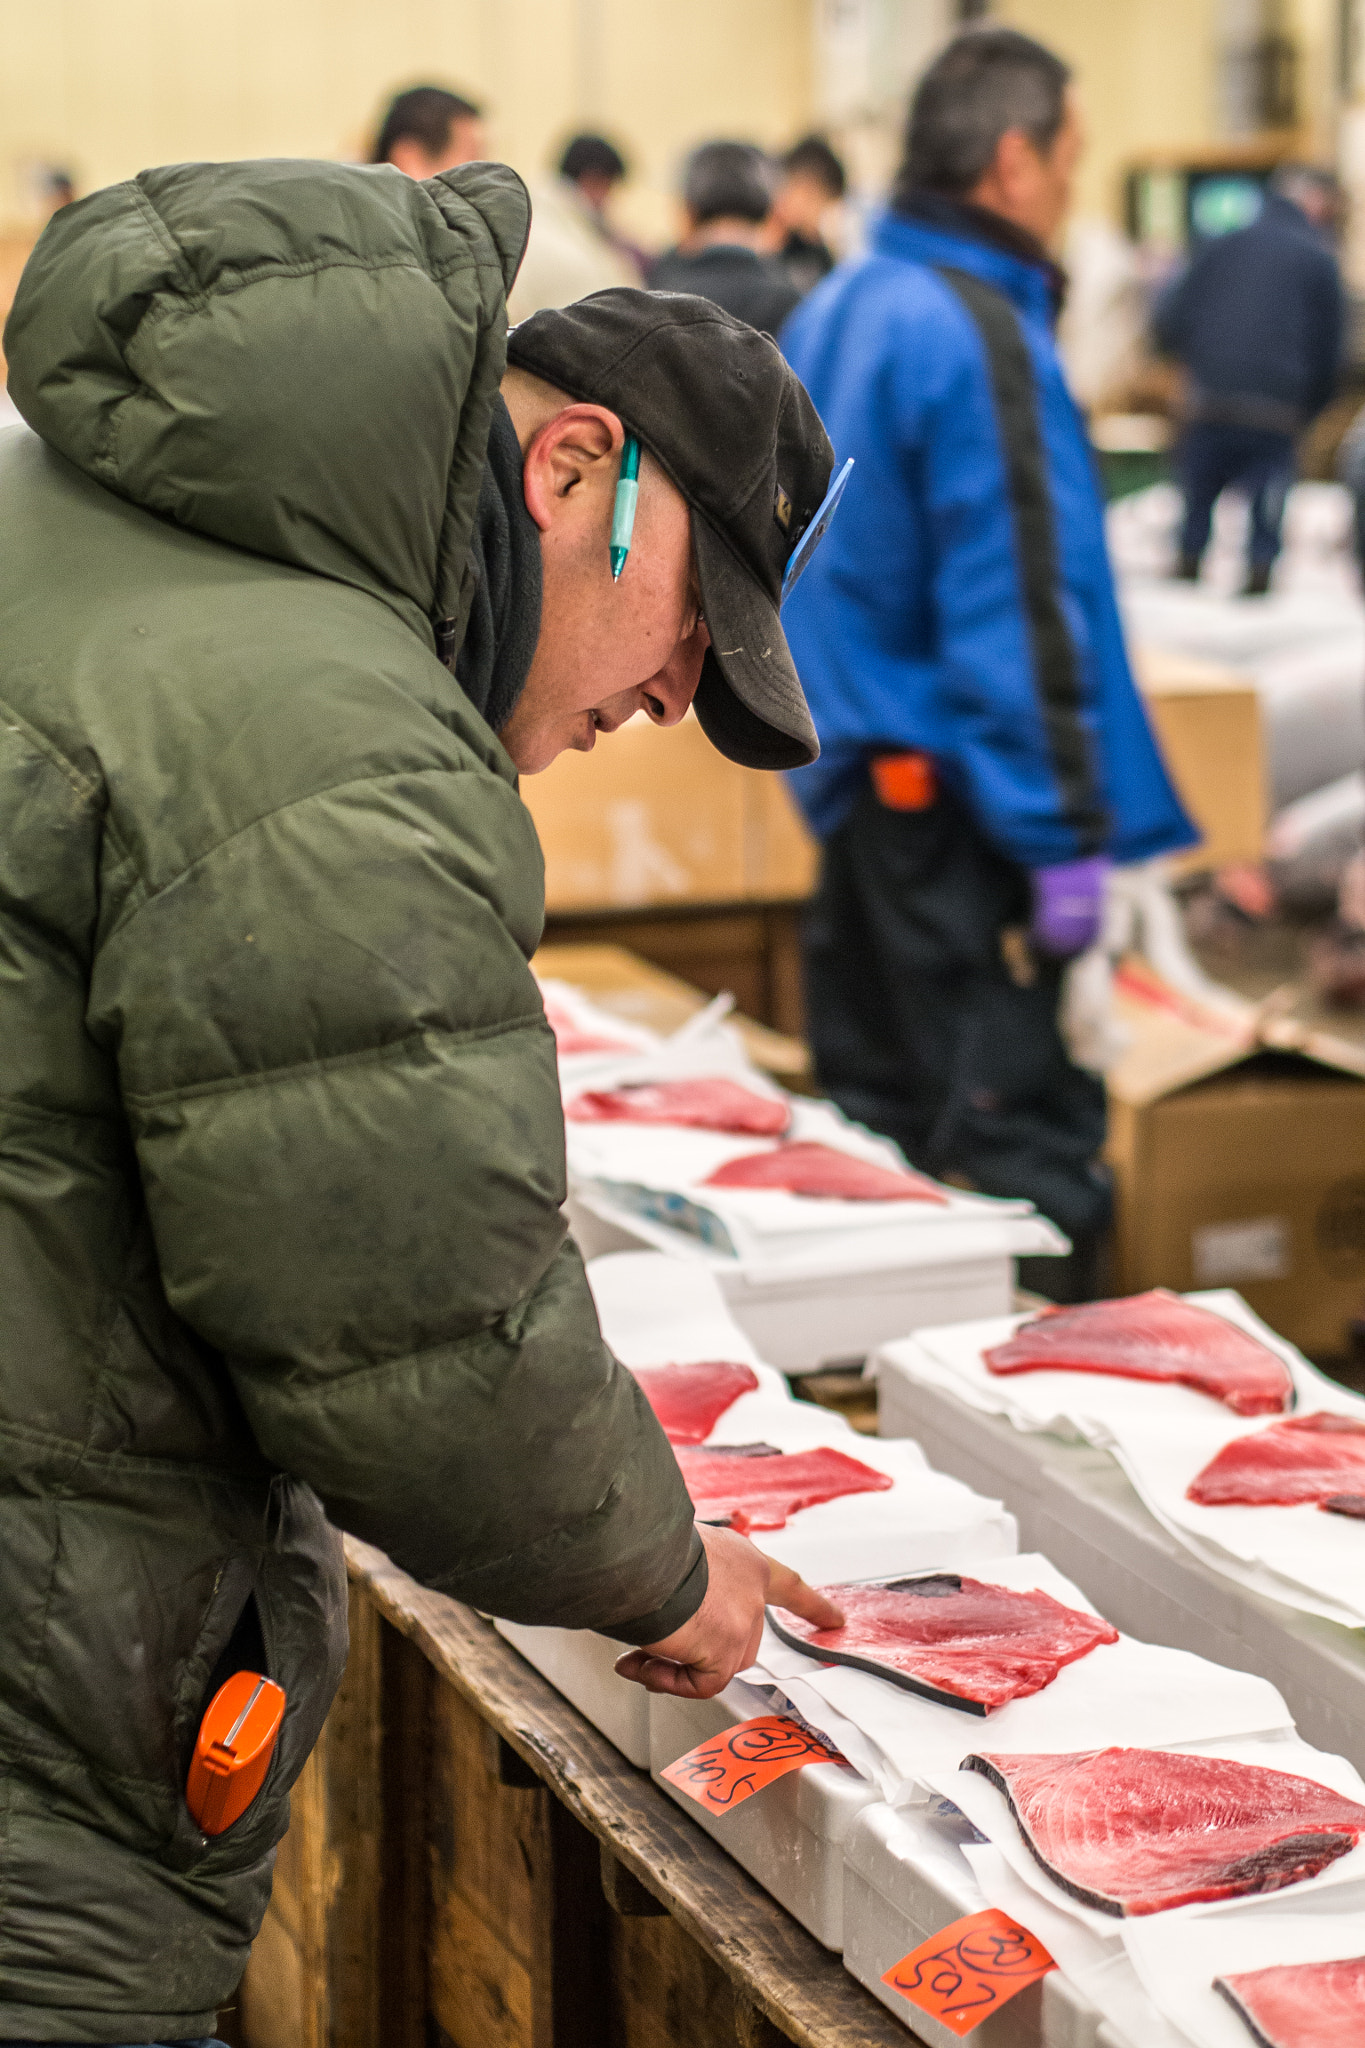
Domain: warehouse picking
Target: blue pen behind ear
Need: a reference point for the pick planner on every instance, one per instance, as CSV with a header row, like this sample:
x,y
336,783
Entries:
x,y
815,532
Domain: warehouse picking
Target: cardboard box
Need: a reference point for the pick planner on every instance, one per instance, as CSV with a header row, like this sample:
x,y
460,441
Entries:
x,y
1237,1139
1208,722
654,815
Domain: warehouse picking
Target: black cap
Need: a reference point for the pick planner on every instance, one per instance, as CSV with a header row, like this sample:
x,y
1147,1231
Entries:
x,y
731,425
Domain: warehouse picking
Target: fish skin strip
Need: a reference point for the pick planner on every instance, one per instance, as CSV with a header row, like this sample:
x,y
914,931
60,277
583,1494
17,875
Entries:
x,y
824,1173
958,1641
708,1103
762,1491
1239,1829
689,1400
1303,1459
1152,1336
1301,2005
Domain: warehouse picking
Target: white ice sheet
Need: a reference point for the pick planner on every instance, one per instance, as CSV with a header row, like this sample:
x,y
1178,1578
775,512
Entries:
x,y
1162,1436
987,1809
924,1517
1315,1561
1177,1959
1139,1695
655,1310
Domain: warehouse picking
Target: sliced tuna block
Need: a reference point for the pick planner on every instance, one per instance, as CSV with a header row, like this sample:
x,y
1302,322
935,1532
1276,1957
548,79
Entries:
x,y
950,1639
689,1400
1134,1831
1304,1458
705,1104
753,1486
570,1037
1301,2005
1153,1336
820,1170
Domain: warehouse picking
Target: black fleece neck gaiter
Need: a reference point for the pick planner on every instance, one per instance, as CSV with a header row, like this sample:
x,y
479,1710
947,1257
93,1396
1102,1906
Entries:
x,y
504,622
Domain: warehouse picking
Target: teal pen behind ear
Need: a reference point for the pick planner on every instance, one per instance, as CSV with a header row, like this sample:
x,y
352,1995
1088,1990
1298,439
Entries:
x,y
623,512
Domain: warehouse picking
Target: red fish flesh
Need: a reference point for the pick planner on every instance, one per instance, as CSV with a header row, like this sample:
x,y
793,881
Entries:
x,y
1301,2005
951,1639
1154,1336
753,1486
689,1400
820,1170
570,1037
1135,1831
706,1105
1304,1458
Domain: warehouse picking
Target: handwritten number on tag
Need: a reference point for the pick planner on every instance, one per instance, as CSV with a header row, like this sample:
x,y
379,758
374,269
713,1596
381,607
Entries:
x,y
730,1768
964,1974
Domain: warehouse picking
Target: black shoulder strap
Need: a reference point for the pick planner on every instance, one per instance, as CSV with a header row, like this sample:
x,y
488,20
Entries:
x,y
1054,653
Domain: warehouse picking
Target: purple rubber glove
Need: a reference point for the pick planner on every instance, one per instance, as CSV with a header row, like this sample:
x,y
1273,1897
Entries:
x,y
1068,905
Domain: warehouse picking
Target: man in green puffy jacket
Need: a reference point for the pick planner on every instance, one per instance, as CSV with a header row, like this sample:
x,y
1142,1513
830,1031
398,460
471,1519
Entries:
x,y
281,1151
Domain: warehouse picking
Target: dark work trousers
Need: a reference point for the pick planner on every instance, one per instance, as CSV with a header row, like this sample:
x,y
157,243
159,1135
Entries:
x,y
919,1030
1211,458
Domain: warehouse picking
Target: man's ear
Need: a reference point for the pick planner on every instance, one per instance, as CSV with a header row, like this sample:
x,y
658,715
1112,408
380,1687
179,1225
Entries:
x,y
565,455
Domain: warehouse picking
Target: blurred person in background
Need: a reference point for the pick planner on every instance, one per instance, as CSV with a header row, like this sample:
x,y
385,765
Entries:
x,y
985,753
1257,322
428,130
811,184
572,249
727,199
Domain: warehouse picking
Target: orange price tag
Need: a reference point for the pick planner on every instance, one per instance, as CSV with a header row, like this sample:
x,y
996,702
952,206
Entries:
x,y
966,1973
730,1768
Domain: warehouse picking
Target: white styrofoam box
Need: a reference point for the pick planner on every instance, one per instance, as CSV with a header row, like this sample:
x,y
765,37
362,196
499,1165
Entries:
x,y
580,1664
1077,1507
905,1879
842,1303
789,1836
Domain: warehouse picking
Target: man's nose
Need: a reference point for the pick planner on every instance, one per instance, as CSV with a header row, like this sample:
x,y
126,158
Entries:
x,y
668,695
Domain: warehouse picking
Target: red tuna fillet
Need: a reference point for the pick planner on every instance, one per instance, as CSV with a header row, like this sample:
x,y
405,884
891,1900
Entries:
x,y
1301,2005
689,1400
1304,1458
805,1169
571,1038
706,1105
1154,1336
1134,1831
951,1639
753,1486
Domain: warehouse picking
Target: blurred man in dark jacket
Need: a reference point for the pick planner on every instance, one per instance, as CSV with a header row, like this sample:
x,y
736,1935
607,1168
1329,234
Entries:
x,y
727,197
1257,322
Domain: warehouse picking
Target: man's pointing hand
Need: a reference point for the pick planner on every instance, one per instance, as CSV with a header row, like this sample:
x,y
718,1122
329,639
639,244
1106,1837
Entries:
x,y
699,1659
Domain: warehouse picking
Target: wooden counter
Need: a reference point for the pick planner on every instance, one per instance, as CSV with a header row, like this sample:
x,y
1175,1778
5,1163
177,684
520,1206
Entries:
x,y
471,1865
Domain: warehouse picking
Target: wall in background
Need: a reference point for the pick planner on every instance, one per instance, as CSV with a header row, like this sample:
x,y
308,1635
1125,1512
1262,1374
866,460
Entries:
x,y
107,89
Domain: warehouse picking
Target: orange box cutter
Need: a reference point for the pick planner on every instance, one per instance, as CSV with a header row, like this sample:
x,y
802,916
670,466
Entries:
x,y
233,1749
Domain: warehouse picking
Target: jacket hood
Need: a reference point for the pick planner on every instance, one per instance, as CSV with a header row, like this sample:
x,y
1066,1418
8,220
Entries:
x,y
297,358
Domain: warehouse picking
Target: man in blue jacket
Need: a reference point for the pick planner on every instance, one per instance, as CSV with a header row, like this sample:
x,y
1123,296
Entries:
x,y
1258,322
985,752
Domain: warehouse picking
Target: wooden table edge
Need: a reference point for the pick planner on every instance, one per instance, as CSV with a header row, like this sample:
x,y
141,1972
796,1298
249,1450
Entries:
x,y
812,1999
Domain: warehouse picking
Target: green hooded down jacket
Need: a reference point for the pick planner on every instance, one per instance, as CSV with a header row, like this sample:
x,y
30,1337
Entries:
x,y
281,1153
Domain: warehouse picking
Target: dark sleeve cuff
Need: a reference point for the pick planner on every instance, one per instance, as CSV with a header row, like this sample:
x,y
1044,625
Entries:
x,y
678,1608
